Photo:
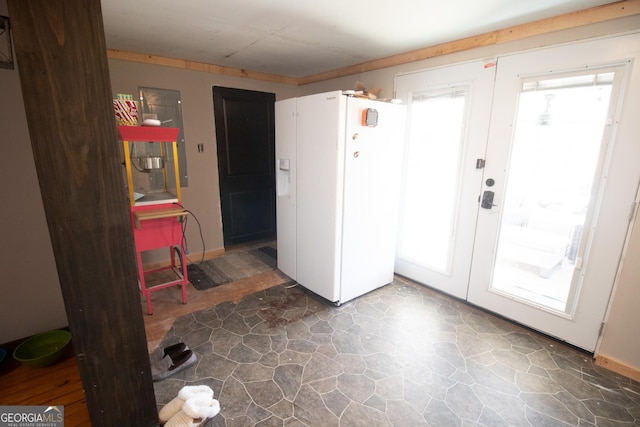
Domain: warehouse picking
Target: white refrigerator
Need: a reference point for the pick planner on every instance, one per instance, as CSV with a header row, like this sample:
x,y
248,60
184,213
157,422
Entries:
x,y
338,161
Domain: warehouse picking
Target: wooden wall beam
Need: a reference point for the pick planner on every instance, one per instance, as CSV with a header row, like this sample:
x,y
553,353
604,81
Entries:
x,y
199,66
61,56
592,15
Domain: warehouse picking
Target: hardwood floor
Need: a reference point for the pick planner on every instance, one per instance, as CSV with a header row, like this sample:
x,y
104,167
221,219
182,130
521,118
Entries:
x,y
60,384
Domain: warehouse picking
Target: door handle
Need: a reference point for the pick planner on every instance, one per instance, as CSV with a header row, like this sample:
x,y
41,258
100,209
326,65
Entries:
x,y
487,199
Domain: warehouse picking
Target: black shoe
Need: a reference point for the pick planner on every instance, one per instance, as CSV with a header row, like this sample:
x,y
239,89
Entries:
x,y
182,361
173,351
167,367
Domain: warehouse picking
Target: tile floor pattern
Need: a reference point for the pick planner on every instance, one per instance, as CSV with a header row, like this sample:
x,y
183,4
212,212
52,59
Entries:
x,y
403,355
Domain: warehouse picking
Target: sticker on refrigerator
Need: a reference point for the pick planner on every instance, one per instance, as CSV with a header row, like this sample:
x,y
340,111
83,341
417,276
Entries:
x,y
370,117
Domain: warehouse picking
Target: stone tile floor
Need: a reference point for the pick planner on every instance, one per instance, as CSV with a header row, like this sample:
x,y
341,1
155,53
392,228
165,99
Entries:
x,y
403,355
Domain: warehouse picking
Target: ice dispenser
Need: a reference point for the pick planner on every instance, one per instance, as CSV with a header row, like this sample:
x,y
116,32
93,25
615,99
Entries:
x,y
284,177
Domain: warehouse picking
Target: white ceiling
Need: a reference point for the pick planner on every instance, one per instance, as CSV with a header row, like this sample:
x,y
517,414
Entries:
x,y
300,38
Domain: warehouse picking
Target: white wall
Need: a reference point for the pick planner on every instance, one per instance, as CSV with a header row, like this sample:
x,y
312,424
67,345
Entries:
x,y
619,340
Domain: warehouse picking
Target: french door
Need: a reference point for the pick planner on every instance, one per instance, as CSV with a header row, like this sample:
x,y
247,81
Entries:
x,y
520,178
447,123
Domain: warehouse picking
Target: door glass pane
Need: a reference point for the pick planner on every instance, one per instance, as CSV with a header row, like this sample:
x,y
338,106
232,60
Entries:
x,y
555,153
431,196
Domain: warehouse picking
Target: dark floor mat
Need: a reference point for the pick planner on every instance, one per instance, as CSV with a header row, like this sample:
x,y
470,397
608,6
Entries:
x,y
199,278
230,267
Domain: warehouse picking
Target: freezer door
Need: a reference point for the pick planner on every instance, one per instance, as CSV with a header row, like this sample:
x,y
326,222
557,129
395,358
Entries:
x,y
320,166
373,159
285,114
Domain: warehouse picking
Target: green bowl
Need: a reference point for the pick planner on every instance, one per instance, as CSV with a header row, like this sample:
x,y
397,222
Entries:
x,y
43,349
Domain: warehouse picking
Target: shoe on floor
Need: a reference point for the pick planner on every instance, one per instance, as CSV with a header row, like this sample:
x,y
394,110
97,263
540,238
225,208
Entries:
x,y
169,366
173,351
195,412
187,392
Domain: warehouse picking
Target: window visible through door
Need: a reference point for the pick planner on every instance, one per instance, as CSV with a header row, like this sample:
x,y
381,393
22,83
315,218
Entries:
x,y
433,177
555,155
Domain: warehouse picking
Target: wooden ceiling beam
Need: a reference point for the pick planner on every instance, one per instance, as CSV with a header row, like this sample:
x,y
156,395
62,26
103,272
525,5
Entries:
x,y
199,66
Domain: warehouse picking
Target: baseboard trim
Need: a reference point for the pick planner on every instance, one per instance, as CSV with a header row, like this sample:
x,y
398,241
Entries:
x,y
618,367
191,257
207,255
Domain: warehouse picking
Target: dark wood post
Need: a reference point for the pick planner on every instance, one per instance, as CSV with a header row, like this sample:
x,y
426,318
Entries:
x,y
61,56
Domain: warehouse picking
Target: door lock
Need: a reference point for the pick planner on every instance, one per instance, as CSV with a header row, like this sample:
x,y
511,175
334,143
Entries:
x,y
487,199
